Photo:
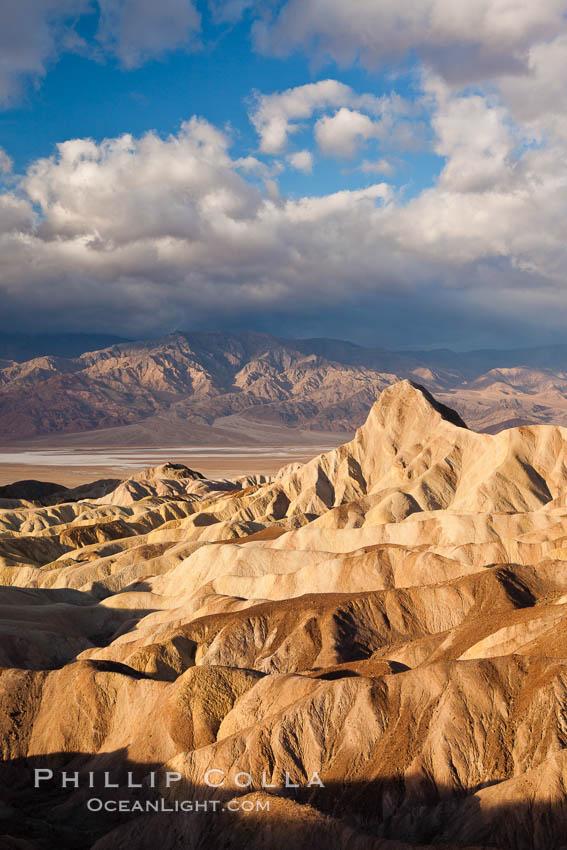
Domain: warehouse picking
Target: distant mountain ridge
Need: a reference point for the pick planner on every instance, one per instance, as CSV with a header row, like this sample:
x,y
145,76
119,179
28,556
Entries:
x,y
187,383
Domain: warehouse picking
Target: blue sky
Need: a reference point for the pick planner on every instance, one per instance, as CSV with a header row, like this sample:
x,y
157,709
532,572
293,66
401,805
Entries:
x,y
394,175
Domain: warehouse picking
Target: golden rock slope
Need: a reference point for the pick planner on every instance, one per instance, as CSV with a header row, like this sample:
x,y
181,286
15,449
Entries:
x,y
390,618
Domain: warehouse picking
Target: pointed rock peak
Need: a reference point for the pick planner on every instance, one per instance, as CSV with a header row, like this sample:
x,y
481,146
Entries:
x,y
167,470
446,412
406,400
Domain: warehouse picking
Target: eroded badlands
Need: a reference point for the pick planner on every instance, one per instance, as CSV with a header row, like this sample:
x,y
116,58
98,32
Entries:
x,y
390,617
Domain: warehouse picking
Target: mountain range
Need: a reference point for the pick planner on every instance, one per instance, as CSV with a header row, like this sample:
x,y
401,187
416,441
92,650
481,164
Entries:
x,y
221,388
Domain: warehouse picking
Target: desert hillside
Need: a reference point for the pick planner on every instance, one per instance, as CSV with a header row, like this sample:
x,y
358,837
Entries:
x,y
388,618
219,388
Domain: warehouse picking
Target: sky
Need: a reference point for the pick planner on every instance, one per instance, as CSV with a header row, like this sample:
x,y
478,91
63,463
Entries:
x,y
390,173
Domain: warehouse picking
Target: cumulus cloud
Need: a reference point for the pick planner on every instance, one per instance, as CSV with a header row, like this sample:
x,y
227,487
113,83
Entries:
x,y
478,141
498,198
273,114
347,117
142,233
301,161
125,190
343,133
145,234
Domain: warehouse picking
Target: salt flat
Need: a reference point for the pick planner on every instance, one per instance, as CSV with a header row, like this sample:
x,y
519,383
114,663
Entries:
x,y
77,465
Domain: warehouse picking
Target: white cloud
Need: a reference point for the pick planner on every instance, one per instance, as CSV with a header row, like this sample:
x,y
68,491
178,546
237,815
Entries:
x,y
301,161
478,141
514,51
498,198
348,119
323,209
124,190
31,34
464,41
137,30
273,114
539,98
6,164
378,166
344,132
16,217
171,229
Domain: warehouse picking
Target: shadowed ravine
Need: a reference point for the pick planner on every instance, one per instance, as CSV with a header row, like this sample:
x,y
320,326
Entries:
x,y
389,617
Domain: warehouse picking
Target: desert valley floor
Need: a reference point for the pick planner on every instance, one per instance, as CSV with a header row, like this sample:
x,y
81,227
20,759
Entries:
x,y
389,617
74,467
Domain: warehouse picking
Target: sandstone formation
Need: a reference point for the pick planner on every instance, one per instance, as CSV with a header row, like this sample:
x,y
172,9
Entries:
x,y
388,618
